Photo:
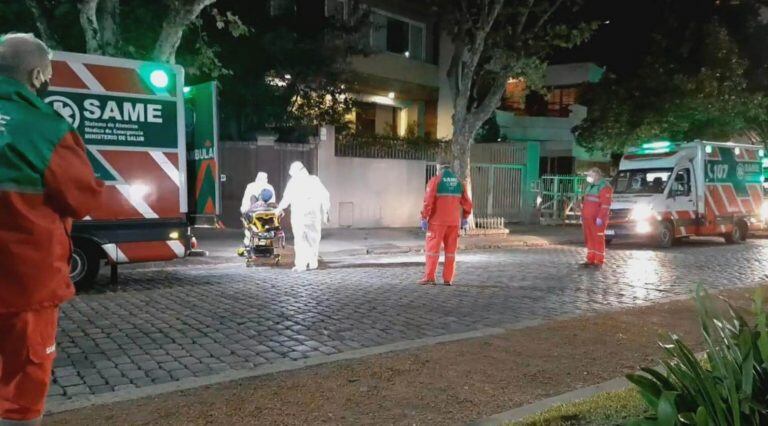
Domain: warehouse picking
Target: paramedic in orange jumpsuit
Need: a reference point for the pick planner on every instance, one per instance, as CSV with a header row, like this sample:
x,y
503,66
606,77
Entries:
x,y
594,216
446,207
46,181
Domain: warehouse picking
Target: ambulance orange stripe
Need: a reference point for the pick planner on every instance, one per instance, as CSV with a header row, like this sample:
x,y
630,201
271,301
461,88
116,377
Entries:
x,y
144,251
114,206
123,80
139,168
65,77
733,201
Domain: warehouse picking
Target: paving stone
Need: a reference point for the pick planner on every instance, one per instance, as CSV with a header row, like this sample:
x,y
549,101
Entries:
x,y
98,390
68,381
94,380
55,390
117,381
76,390
111,372
181,374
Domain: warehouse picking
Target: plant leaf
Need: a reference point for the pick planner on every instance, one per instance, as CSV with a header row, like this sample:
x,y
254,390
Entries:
x,y
667,412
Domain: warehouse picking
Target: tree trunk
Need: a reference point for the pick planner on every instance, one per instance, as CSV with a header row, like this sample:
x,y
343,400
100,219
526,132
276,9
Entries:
x,y
181,14
90,26
109,26
42,24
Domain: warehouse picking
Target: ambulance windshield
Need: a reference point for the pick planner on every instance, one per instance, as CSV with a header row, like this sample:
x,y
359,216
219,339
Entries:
x,y
641,181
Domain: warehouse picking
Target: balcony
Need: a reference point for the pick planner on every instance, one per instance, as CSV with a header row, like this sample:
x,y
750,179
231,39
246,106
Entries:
x,y
397,67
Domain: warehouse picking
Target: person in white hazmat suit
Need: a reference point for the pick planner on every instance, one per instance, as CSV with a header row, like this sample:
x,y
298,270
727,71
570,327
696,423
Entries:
x,y
310,205
251,195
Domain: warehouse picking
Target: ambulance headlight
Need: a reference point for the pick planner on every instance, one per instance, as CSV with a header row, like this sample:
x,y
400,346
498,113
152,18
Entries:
x,y
764,210
643,227
642,212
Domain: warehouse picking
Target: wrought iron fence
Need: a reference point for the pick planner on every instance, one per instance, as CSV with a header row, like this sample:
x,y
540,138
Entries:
x,y
388,147
558,198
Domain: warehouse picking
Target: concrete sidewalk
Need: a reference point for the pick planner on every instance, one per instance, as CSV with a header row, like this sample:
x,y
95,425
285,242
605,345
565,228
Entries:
x,y
342,242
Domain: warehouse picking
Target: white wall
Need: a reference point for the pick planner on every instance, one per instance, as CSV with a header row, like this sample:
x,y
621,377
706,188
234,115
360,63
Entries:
x,y
371,193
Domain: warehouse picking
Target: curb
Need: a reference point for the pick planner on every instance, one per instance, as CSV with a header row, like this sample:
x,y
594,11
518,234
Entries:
x,y
617,384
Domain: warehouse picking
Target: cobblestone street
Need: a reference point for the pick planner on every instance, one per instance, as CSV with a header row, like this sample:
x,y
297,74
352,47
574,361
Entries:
x,y
162,326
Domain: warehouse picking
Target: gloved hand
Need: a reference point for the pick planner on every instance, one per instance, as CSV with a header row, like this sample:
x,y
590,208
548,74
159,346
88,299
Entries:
x,y
599,222
424,225
464,224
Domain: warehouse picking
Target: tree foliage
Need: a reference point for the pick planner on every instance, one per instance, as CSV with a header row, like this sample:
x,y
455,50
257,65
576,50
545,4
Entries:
x,y
696,83
138,29
290,73
493,41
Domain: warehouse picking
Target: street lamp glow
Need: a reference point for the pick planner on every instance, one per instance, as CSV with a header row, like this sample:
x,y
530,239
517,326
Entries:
x,y
159,79
391,95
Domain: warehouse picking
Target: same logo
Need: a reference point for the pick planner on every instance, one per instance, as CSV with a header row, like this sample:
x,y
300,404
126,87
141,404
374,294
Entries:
x,y
66,108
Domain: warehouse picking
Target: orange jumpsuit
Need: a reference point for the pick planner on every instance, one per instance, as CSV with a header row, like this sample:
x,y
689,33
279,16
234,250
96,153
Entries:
x,y
446,203
596,205
46,181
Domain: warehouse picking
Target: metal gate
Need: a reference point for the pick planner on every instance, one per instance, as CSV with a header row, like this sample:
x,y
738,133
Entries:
x,y
497,191
558,198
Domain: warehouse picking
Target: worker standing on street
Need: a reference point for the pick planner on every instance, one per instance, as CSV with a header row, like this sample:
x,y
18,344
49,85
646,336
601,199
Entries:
x,y
447,207
594,216
46,181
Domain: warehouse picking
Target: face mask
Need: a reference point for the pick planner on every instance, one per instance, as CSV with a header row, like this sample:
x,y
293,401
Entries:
x,y
42,88
590,179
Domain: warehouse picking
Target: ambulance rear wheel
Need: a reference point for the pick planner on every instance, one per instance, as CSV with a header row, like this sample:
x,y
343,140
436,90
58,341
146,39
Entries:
x,y
738,234
85,265
666,235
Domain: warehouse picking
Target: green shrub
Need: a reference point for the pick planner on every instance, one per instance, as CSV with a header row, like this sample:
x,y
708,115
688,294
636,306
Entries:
x,y
728,387
610,408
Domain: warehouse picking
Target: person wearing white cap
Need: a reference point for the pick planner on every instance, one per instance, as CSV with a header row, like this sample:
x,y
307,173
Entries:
x,y
310,204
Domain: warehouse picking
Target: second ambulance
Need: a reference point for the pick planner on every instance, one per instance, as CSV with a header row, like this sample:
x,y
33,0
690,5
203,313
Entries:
x,y
665,191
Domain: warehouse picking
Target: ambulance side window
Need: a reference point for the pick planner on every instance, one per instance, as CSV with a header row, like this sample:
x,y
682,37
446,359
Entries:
x,y
681,185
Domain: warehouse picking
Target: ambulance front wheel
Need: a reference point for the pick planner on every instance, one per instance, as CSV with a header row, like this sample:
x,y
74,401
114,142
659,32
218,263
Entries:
x,y
738,233
85,265
666,236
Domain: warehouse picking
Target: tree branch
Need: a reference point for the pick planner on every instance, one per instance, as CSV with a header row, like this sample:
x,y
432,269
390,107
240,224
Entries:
x,y
524,19
181,14
109,24
471,58
42,24
90,25
547,15
489,103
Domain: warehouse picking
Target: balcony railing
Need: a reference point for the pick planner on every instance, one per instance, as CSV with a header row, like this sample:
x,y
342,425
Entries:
x,y
390,147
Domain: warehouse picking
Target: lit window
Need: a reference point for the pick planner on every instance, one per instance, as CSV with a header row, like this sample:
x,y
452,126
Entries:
x,y
397,35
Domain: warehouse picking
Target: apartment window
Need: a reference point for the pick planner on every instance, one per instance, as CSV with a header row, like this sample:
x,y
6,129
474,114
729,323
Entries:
x,y
398,35
365,118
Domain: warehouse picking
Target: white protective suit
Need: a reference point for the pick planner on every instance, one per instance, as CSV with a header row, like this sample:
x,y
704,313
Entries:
x,y
310,205
252,192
